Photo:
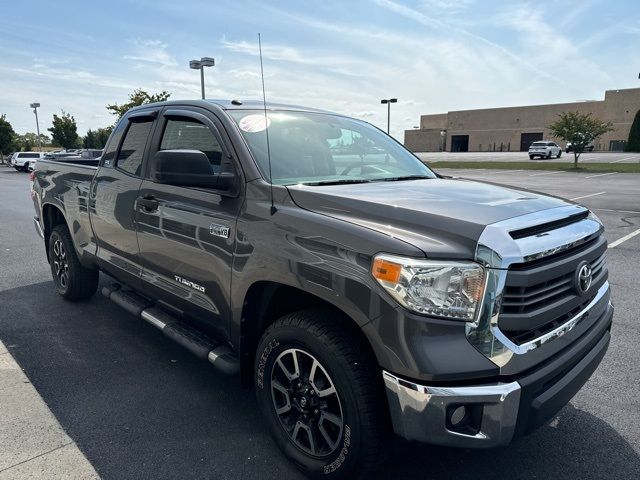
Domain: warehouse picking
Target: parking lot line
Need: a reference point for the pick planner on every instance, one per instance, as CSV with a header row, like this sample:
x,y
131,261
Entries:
x,y
623,159
587,196
545,173
617,211
624,239
601,175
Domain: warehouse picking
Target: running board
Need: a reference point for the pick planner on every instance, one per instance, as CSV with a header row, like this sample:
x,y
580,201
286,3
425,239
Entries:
x,y
219,355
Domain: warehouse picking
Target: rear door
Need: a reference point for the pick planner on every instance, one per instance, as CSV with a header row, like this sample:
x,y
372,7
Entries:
x,y
114,192
187,239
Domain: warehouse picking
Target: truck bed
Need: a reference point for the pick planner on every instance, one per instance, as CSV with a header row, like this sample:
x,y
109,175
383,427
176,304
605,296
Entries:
x,y
66,185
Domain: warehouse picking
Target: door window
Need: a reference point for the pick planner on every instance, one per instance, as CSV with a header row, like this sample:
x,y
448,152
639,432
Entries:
x,y
186,134
132,151
109,154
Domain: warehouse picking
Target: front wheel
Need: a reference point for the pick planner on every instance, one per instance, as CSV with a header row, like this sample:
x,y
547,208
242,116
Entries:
x,y
71,279
559,154
321,394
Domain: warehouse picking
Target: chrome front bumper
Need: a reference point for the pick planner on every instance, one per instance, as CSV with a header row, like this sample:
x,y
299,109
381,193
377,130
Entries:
x,y
421,413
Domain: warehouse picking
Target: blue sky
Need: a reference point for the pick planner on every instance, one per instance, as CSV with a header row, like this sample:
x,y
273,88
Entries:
x,y
433,55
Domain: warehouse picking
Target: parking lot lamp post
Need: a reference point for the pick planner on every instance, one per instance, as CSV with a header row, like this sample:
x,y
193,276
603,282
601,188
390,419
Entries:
x,y
388,102
199,65
35,106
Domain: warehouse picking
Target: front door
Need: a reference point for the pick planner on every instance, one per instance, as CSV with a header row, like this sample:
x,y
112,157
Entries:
x,y
187,237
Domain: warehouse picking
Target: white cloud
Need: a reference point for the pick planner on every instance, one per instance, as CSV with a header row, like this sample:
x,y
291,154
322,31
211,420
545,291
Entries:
x,y
446,6
151,51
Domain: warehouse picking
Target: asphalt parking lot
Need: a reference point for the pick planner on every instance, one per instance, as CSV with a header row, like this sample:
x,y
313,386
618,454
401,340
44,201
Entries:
x,y
587,157
139,406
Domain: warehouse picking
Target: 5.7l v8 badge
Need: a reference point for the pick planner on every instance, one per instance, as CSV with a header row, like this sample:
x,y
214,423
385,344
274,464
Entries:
x,y
218,230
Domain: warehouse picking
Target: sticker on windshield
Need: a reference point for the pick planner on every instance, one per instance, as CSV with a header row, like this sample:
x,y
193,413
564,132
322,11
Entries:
x,y
254,123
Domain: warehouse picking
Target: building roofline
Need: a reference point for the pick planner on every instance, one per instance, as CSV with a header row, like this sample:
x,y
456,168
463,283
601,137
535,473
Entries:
x,y
543,105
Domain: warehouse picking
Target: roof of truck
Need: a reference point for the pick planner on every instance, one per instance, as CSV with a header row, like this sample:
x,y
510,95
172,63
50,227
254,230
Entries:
x,y
237,105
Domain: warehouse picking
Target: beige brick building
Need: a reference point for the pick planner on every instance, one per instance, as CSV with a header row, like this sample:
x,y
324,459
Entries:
x,y
514,128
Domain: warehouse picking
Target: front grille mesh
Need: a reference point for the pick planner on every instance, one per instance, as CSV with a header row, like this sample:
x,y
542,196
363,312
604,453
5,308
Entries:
x,y
539,296
529,299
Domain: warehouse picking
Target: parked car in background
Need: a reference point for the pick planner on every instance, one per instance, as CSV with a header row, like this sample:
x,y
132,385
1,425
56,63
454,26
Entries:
x,y
588,148
544,149
7,158
20,160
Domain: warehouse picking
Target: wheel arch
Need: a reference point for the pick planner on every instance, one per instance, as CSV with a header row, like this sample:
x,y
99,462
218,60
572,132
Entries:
x,y
52,215
265,302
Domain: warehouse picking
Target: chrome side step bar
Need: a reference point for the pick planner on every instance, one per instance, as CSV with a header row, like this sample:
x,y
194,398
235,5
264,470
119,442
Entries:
x,y
219,355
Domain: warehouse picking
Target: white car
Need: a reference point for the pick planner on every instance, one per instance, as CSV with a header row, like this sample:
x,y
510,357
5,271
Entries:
x,y
544,149
22,161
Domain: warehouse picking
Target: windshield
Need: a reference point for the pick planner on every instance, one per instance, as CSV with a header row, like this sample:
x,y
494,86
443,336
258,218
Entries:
x,y
316,148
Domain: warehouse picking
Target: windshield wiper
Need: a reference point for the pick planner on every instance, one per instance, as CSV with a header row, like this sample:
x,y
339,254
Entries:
x,y
406,177
337,182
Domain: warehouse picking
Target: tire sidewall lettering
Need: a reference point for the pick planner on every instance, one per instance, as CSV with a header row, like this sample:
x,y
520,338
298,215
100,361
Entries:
x,y
262,363
342,456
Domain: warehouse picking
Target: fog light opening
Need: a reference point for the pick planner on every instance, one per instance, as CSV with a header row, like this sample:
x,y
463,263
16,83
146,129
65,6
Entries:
x,y
465,419
458,415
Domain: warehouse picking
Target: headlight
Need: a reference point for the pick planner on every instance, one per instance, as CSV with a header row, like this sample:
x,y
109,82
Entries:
x,y
448,289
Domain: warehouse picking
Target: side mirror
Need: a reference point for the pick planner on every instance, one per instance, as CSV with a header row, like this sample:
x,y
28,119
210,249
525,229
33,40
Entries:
x,y
188,168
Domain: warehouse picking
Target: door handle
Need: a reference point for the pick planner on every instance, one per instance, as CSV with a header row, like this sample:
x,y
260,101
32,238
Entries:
x,y
148,203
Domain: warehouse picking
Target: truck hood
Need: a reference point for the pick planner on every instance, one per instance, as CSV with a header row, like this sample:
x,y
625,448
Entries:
x,y
442,217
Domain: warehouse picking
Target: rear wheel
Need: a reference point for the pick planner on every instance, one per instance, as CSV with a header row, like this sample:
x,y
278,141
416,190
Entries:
x,y
321,394
72,280
531,157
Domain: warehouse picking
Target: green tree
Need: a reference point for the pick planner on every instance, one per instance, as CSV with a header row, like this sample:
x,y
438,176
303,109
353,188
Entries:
x,y
64,130
7,136
633,144
29,140
580,129
90,140
138,97
102,135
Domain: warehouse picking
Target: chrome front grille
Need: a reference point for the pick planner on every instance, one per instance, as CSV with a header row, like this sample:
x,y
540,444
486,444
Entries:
x,y
541,295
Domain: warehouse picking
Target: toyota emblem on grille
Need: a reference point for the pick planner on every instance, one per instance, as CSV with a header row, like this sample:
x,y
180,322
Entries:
x,y
583,278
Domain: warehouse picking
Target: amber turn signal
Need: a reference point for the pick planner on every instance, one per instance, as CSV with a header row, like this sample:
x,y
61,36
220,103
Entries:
x,y
386,271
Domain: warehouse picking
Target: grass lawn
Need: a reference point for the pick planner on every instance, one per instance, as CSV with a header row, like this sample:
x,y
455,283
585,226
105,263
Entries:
x,y
542,165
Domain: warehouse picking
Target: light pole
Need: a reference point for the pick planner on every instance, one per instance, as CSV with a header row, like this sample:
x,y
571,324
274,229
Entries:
x,y
388,101
199,65
35,106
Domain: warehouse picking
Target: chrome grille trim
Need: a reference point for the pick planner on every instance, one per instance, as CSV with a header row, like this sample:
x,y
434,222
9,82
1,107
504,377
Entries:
x,y
558,332
496,250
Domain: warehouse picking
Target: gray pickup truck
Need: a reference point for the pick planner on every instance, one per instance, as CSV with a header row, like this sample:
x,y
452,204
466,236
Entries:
x,y
358,291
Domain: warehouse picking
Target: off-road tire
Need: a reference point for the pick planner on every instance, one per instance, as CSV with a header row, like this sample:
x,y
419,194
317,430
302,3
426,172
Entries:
x,y
359,446
71,279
